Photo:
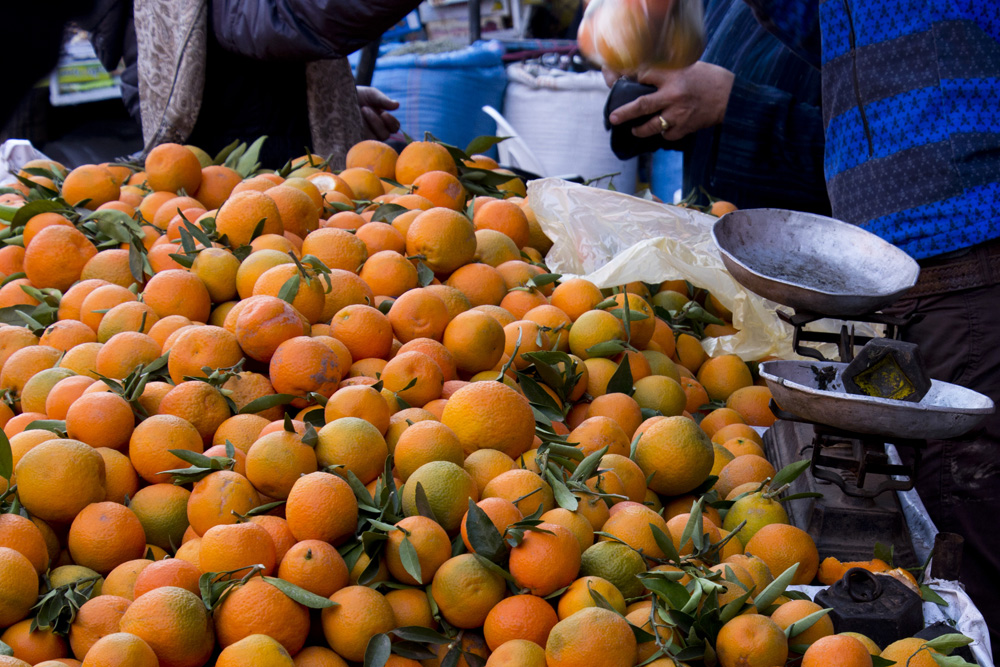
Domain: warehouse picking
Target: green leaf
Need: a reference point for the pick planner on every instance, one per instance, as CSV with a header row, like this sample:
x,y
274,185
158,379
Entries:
x,y
6,650
884,552
483,535
790,473
416,633
928,595
665,543
423,504
950,660
806,622
424,274
248,162
608,348
267,402
6,458
300,595
31,209
378,651
388,212
411,561
482,144
563,496
948,643
776,588
621,380
879,661
220,158
586,468
290,289
57,426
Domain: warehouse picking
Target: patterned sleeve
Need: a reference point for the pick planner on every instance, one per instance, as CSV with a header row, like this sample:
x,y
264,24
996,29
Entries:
x,y
794,22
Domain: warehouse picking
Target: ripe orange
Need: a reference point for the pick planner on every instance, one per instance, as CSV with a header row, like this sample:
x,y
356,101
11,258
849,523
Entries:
x,y
741,470
780,546
315,566
796,610
425,442
96,618
909,651
120,648
751,640
837,651
215,498
217,183
633,525
723,375
375,156
360,613
169,572
596,432
243,212
258,607
93,182
517,653
441,188
419,157
465,591
519,617
58,478
490,415
175,624
475,340
531,561
753,405
592,636
430,542
236,546
676,454
171,167
104,535
199,403
365,331
305,512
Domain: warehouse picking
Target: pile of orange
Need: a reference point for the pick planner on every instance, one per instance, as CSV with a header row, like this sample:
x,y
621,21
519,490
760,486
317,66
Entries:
x,y
329,390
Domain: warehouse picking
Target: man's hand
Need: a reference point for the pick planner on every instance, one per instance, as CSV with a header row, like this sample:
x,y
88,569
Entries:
x,y
688,100
375,108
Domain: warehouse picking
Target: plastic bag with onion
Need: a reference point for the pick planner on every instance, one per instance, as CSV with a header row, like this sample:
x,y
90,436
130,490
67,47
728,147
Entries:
x,y
626,35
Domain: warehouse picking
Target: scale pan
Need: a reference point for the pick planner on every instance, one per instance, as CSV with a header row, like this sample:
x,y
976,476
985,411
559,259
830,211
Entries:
x,y
946,411
813,263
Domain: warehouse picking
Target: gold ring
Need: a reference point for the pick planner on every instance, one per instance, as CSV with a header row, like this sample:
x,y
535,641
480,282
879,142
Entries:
x,y
664,125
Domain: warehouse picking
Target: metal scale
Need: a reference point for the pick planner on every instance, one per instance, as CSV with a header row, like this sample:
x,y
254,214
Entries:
x,y
823,268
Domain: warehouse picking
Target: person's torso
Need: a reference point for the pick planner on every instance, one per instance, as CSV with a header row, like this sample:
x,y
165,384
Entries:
x,y
911,104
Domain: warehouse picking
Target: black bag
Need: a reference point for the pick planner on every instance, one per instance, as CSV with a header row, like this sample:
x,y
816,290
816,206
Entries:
x,y
624,144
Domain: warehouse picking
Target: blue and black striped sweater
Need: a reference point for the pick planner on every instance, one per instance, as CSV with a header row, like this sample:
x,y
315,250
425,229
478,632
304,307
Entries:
x,y
911,106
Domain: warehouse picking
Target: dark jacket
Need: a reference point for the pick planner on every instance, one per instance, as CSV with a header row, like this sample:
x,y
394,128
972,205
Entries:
x,y
910,108
768,151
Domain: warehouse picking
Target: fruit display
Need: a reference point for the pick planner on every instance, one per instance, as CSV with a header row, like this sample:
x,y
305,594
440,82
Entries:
x,y
300,417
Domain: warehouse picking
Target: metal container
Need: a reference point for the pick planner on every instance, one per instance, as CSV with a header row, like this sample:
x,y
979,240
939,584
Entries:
x,y
813,263
814,391
877,606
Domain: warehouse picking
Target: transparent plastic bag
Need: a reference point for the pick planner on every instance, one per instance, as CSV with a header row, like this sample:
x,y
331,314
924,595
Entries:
x,y
626,35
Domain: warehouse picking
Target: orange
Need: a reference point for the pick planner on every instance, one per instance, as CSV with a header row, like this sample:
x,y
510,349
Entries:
x,y
465,591
675,454
592,636
199,403
484,465
425,442
317,656
910,652
172,167
255,265
519,617
104,535
236,546
389,273
18,586
505,217
378,236
493,248
347,288
796,610
375,156
216,497
162,511
39,222
418,314
97,618
524,488
299,213
517,653
363,183
723,375
751,640
58,478
121,481
241,430
242,214
359,401
419,157
719,418
502,514
23,364
11,294
217,268
258,607
753,405
13,339
741,470
336,248
124,352
120,648
633,526
364,330
33,646
597,432
490,415
475,340
257,650
306,513
175,624
838,651
217,183
21,535
355,445
151,440
628,471
360,613
132,316
531,561
414,377
579,596
315,566
36,390
480,283
176,292
262,323
448,489
276,460
832,570
302,365
169,572
310,293
780,546
594,327
429,541
737,430
92,182
441,188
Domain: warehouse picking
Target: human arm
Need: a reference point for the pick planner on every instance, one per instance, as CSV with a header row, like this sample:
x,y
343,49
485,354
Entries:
x,y
375,108
303,30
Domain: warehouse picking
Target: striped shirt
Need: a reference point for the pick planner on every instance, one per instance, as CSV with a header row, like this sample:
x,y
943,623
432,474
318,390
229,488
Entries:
x,y
911,108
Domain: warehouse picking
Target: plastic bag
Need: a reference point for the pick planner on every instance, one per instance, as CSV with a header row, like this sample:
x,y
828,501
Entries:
x,y
625,35
14,153
611,239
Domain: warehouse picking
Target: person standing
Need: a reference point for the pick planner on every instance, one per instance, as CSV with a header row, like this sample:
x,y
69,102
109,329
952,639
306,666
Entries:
x,y
912,124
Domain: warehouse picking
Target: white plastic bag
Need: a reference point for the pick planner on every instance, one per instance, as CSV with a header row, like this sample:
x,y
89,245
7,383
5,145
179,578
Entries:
x,y
625,35
612,239
14,153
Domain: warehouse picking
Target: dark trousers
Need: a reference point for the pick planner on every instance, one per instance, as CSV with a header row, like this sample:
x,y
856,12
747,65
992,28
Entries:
x,y
959,479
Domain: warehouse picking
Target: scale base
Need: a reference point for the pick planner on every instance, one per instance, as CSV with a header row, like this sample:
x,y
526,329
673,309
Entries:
x,y
843,526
